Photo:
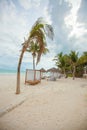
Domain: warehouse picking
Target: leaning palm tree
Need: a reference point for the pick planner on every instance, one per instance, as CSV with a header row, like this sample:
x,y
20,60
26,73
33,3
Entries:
x,y
38,32
74,58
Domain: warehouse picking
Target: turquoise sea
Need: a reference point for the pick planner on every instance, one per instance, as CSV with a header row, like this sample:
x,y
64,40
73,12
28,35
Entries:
x,y
9,71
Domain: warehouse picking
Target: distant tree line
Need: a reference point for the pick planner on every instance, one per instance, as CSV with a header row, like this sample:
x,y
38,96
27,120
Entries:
x,y
71,64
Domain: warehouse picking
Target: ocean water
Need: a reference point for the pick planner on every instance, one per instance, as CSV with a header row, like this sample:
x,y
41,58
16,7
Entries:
x,y
10,71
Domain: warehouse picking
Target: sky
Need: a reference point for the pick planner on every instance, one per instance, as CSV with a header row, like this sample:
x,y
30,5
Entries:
x,y
67,17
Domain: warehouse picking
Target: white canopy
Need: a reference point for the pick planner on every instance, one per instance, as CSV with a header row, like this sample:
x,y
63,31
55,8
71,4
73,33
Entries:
x,y
30,75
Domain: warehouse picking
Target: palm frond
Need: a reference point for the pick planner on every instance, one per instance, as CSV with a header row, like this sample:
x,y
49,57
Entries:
x,y
49,31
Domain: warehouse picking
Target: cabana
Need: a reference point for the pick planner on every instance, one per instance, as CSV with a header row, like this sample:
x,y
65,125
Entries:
x,y
54,72
32,76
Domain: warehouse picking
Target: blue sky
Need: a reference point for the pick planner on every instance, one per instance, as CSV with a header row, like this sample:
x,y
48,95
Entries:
x,y
68,18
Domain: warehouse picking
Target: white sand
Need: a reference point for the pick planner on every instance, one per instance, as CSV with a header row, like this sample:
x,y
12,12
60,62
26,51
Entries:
x,y
58,105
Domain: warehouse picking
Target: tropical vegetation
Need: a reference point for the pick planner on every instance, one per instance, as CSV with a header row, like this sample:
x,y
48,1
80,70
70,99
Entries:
x,y
62,62
71,64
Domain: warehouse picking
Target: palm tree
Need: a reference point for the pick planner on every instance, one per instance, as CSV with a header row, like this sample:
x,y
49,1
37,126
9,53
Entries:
x,y
82,64
38,32
74,58
34,49
61,62
83,58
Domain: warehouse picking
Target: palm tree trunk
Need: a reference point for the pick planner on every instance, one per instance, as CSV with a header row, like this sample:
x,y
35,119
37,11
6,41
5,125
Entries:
x,y
34,66
64,72
73,72
18,73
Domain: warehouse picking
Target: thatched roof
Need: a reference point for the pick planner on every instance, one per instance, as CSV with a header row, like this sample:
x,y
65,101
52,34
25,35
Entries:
x,y
42,70
53,70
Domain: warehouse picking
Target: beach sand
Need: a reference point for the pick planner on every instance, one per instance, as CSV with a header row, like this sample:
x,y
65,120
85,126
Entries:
x,y
49,105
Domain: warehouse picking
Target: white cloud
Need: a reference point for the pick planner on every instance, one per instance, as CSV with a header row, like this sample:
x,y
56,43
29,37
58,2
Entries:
x,y
47,15
75,5
27,4
76,29
46,62
13,27
80,45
